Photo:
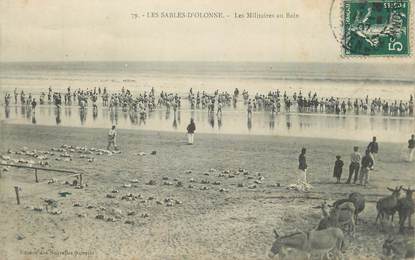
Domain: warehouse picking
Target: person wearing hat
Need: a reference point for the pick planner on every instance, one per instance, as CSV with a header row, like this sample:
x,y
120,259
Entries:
x,y
338,168
191,131
112,136
354,166
373,148
367,164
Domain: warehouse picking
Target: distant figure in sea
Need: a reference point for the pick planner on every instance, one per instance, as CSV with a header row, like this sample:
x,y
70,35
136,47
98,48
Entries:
x,y
338,169
191,128
112,138
373,148
367,165
302,166
354,166
411,148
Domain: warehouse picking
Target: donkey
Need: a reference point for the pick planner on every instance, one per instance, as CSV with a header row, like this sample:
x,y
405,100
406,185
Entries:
x,y
322,241
387,206
405,209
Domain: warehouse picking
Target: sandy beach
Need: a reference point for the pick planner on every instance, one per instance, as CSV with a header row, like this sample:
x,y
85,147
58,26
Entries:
x,y
208,216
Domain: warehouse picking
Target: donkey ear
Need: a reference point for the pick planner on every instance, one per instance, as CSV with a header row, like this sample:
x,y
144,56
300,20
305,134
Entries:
x,y
276,233
389,189
400,188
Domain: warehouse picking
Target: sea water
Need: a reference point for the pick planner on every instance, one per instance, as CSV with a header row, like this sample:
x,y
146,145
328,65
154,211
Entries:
x,y
328,80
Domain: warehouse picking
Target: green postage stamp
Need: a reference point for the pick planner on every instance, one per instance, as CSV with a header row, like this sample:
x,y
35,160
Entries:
x,y
376,27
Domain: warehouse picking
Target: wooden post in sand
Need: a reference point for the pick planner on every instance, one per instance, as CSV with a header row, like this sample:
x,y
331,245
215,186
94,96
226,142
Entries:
x,y
80,179
36,176
16,189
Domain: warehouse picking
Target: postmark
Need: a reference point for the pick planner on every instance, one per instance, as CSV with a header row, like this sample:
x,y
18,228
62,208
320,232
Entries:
x,y
376,28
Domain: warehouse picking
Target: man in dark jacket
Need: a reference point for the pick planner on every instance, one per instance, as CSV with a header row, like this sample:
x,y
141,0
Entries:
x,y
373,148
191,128
367,164
302,166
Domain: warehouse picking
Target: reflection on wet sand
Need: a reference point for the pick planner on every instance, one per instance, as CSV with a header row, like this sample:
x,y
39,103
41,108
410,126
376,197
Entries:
x,y
228,121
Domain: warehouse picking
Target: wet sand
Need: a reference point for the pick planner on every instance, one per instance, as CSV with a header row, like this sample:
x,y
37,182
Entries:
x,y
235,223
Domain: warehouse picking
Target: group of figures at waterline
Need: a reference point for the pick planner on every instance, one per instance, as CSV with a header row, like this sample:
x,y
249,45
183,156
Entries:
x,y
275,112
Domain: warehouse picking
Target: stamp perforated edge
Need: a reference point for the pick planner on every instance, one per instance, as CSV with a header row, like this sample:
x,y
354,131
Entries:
x,y
411,40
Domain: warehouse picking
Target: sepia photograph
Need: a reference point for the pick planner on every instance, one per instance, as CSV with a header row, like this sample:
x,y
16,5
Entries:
x,y
203,129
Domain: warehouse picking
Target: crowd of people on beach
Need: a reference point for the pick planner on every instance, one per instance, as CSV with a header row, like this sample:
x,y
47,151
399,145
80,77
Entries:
x,y
273,102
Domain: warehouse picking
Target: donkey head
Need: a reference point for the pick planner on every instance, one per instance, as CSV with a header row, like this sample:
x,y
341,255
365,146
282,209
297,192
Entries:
x,y
408,192
395,192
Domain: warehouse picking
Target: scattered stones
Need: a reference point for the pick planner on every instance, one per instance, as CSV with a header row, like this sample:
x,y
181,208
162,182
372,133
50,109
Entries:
x,y
64,193
257,181
188,171
159,202
131,213
131,197
145,215
153,152
151,182
55,212
141,154
253,186
77,204
80,215
165,178
90,207
134,181
240,185
167,183
110,196
223,190
179,184
100,216
192,180
110,219
20,236
130,222
127,185
38,209
206,174
190,186
114,191
216,183
204,188
204,181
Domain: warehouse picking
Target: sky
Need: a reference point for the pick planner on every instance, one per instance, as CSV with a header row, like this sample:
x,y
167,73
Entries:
x,y
79,30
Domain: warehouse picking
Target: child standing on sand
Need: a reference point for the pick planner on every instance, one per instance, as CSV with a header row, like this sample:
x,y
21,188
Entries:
x,y
338,168
191,131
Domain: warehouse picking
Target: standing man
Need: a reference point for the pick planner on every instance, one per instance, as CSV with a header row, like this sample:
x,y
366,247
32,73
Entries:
x,y
373,148
191,131
354,166
302,166
112,136
367,164
411,148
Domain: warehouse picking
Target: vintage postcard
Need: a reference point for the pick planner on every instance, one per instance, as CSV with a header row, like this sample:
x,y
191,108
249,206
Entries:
x,y
204,129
